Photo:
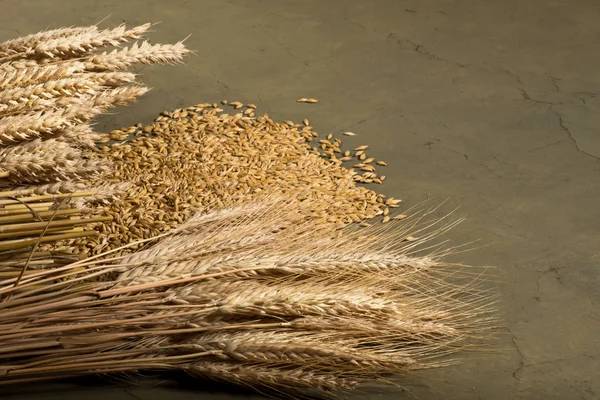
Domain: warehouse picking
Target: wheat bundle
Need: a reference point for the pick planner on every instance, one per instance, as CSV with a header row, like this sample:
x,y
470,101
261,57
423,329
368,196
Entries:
x,y
265,294
51,86
251,295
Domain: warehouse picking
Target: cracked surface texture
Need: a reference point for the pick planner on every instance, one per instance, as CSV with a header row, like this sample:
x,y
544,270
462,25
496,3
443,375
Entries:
x,y
492,104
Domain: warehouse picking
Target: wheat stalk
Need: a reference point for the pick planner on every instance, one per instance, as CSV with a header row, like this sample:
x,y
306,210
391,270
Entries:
x,y
78,136
27,44
28,162
55,188
29,97
24,127
144,53
271,378
28,72
332,330
83,43
119,96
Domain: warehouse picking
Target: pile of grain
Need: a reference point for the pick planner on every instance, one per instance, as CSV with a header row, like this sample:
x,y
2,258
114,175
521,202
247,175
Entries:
x,y
198,158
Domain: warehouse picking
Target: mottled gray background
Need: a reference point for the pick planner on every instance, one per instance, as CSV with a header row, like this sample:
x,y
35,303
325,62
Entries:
x,y
492,104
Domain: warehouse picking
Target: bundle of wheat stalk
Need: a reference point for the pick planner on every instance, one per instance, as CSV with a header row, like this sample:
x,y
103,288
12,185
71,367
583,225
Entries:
x,y
253,295
51,85
268,293
53,220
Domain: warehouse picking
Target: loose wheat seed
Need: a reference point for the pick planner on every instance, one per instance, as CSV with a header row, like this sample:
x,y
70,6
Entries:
x,y
197,159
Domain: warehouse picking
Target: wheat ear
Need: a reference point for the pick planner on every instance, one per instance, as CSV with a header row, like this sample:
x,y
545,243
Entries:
x,y
79,45
28,72
23,127
29,97
144,53
27,44
78,136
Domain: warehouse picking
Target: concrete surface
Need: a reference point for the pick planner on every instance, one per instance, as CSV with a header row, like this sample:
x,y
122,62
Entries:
x,y
492,104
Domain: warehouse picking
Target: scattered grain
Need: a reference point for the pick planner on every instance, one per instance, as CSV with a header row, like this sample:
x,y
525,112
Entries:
x,y
195,159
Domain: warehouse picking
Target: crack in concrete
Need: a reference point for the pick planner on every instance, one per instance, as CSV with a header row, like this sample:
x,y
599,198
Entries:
x,y
491,170
527,97
544,146
290,52
221,83
517,374
513,74
518,371
374,114
350,21
429,145
566,129
132,395
419,48
503,162
554,80
499,161
554,270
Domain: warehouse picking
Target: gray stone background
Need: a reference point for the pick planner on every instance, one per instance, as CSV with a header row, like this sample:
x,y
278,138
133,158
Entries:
x,y
491,104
